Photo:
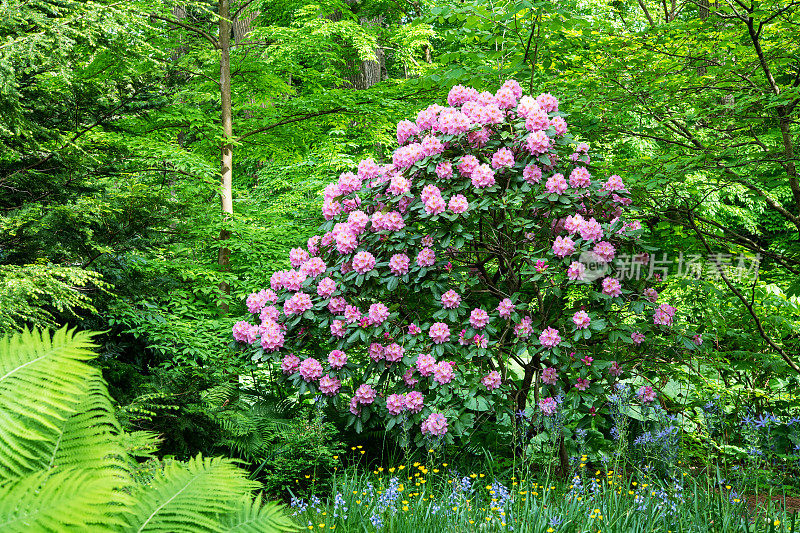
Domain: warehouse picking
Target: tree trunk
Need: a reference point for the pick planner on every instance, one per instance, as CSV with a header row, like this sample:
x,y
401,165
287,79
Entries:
x,y
226,170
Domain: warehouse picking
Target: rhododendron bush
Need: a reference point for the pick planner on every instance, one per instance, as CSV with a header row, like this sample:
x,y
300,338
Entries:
x,y
476,266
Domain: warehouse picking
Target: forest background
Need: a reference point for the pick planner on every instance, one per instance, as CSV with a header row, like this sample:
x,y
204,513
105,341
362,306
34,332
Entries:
x,y
158,160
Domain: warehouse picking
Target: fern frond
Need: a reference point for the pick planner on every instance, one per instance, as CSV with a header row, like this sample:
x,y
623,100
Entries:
x,y
252,516
42,380
88,439
189,497
69,500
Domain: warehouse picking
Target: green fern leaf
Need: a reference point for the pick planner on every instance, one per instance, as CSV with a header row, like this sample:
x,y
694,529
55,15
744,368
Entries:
x,y
189,497
254,517
69,500
42,381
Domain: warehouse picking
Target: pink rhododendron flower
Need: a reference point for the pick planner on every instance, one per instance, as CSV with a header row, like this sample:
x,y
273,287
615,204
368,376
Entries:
x,y
337,359
491,380
349,182
502,158
290,364
663,315
435,205
451,299
338,329
651,294
313,245
368,169
646,394
467,164
375,351
587,360
352,314
458,204
614,370
444,170
605,250
270,312
326,287
538,143
426,364
532,174
329,385
310,369
563,246
581,320
591,231
582,384
272,339
614,183
313,267
576,271
547,102
399,185
431,145
241,331
505,308
337,305
537,121
548,406
409,378
637,337
395,403
405,129
560,125
298,304
453,122
612,287
443,372
357,222
398,264
393,353
505,97
435,424
413,329
556,184
550,376
365,394
363,262
541,265
427,240
354,409
482,176
298,256
524,329
527,106
574,223
378,313
478,318
478,138
580,178
439,332
550,338
697,339
426,257
414,401
330,209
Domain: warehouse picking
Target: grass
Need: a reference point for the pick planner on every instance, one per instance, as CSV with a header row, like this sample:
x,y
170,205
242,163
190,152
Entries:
x,y
435,498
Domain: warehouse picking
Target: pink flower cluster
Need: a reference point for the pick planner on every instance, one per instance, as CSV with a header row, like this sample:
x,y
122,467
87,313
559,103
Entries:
x,y
492,380
664,315
435,424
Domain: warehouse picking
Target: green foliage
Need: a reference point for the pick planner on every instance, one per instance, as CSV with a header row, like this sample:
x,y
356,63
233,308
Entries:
x,y
64,465
28,293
